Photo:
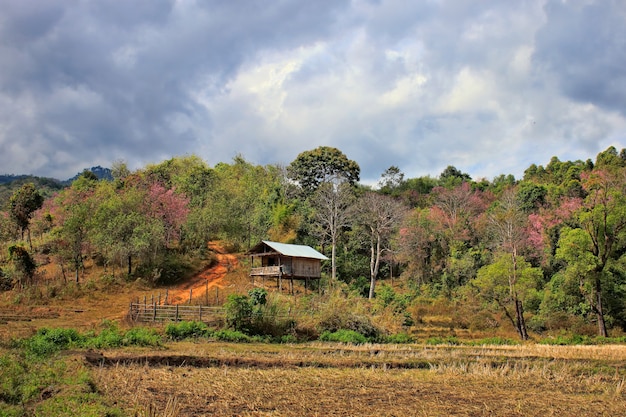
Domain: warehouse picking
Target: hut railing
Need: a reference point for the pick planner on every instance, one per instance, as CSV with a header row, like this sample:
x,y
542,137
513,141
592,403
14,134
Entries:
x,y
271,270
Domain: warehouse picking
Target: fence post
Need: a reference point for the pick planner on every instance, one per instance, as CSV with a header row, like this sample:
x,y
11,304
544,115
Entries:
x,y
176,313
190,293
159,297
153,312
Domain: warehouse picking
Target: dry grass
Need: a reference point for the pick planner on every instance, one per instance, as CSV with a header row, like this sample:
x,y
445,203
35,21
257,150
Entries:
x,y
325,379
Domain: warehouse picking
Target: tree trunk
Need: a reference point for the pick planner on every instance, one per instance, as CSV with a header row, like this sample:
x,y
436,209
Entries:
x,y
333,261
600,310
130,264
374,265
520,322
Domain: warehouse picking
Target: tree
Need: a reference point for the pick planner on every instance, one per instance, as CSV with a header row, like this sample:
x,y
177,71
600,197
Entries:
x,y
380,216
451,177
22,205
332,204
505,284
391,180
24,263
507,223
321,165
73,210
595,251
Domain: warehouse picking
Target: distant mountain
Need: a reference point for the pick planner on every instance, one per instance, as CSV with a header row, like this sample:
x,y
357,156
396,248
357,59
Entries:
x,y
9,183
100,172
10,178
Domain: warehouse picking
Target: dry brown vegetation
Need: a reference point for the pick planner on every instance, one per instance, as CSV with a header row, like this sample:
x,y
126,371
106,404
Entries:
x,y
197,379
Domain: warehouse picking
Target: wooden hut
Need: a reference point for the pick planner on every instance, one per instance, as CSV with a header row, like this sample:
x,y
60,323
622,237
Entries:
x,y
282,260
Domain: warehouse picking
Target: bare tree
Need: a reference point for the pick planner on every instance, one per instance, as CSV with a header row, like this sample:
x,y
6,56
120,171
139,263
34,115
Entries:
x,y
332,202
379,216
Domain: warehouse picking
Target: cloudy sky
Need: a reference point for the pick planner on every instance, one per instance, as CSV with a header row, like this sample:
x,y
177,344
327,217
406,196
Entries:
x,y
489,87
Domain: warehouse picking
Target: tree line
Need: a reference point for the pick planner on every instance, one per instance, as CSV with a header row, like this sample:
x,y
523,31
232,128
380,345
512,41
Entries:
x,y
546,251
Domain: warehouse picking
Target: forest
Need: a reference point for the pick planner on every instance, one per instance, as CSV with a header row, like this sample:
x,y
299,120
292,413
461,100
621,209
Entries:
x,y
545,252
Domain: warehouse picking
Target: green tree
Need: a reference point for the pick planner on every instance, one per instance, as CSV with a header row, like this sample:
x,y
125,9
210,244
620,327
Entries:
x,y
595,252
508,224
22,205
24,263
322,165
505,284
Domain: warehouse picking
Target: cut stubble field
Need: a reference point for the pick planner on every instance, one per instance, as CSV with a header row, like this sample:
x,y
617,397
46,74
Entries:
x,y
220,379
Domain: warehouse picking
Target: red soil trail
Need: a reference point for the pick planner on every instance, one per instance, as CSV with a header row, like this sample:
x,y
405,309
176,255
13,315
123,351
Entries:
x,y
213,276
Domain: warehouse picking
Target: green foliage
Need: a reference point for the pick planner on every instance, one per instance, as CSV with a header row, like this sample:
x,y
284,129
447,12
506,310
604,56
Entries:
x,y
227,335
448,340
24,263
320,165
400,338
239,312
23,204
6,282
258,296
187,330
344,336
49,341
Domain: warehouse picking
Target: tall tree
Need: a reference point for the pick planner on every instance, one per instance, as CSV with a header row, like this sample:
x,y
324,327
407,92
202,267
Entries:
x,y
595,252
332,204
380,216
508,226
22,205
321,165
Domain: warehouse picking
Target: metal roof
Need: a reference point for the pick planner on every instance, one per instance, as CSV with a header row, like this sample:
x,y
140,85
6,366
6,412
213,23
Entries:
x,y
296,251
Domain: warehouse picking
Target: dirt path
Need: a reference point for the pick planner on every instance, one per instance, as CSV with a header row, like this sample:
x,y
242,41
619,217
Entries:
x,y
212,276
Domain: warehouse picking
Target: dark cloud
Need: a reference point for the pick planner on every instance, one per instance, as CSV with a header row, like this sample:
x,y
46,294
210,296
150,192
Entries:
x,y
584,45
420,85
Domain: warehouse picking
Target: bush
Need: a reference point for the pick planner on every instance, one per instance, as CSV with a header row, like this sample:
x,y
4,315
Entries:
x,y
6,282
186,330
48,341
141,336
238,313
400,338
231,336
343,336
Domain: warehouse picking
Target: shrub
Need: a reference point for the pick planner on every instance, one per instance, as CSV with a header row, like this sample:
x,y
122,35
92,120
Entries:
x,y
108,338
6,282
48,341
238,313
449,340
400,338
231,336
141,336
187,329
343,336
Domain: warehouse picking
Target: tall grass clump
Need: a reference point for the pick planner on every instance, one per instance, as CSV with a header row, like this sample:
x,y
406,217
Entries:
x,y
343,336
49,341
187,330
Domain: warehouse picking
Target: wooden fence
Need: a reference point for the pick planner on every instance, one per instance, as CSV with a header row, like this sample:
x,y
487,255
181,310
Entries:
x,y
144,312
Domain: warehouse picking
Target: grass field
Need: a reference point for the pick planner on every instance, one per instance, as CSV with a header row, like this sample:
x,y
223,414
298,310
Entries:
x,y
198,379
